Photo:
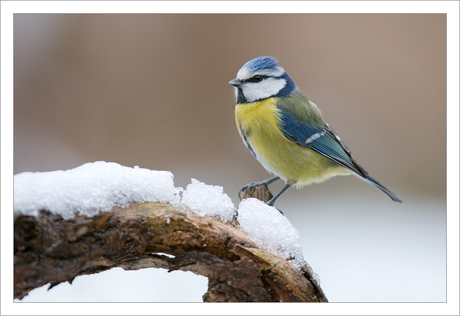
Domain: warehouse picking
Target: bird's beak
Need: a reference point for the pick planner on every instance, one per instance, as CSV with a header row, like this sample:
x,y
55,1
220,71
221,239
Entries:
x,y
235,82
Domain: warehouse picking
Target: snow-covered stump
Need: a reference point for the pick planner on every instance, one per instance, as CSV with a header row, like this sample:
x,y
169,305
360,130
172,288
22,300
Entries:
x,y
249,254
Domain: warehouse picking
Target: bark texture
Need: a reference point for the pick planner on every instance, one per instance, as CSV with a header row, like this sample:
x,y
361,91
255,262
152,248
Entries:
x,y
49,249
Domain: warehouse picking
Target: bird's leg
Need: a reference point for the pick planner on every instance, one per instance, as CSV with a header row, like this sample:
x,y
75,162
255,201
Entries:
x,y
272,201
249,187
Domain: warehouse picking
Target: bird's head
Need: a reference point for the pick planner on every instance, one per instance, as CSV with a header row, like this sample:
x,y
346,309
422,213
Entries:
x,y
262,78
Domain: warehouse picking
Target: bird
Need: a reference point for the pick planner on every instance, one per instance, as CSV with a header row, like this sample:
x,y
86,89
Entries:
x,y
286,132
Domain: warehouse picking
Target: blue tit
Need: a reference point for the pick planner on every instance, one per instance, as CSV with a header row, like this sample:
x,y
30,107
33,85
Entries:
x,y
286,132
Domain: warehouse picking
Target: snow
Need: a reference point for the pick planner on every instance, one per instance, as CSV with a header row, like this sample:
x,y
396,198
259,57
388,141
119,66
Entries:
x,y
270,230
211,200
91,188
263,224
98,186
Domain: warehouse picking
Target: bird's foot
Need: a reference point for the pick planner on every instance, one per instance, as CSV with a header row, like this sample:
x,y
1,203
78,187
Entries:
x,y
258,190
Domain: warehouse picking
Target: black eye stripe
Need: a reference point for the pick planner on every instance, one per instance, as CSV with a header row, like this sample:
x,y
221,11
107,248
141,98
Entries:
x,y
256,78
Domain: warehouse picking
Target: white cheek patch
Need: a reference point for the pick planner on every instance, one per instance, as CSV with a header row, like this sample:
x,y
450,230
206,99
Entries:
x,y
261,90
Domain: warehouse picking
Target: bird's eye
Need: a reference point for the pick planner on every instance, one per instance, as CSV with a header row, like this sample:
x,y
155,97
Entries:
x,y
256,78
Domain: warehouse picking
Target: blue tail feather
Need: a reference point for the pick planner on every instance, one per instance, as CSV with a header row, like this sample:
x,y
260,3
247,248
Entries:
x,y
375,183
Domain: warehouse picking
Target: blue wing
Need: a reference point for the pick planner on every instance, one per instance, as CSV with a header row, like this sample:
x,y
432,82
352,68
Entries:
x,y
321,139
326,142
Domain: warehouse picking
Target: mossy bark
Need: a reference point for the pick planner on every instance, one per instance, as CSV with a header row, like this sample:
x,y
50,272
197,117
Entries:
x,y
49,249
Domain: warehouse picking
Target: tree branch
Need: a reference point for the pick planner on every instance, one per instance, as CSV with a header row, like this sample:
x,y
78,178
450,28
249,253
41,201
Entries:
x,y
49,249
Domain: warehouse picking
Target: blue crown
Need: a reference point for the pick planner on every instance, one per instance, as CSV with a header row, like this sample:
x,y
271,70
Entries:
x,y
262,62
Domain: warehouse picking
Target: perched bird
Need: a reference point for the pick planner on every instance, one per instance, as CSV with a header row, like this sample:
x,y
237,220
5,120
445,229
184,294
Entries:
x,y
285,131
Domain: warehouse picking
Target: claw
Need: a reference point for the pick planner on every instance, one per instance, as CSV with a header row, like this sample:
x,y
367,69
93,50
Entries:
x,y
258,190
249,187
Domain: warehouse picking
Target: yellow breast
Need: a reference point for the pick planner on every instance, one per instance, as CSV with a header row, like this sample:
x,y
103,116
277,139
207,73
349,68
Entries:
x,y
259,126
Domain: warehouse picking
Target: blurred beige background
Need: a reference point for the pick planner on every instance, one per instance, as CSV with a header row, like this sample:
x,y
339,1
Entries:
x,y
152,90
